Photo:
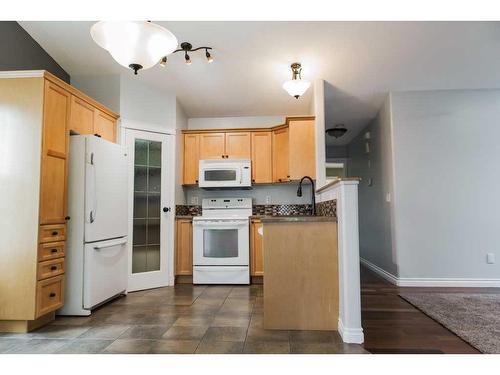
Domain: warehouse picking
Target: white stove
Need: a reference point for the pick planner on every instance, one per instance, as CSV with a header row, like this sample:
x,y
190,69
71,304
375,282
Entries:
x,y
221,241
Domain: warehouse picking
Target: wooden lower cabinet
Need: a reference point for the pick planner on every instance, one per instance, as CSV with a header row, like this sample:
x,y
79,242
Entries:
x,y
184,247
256,255
39,112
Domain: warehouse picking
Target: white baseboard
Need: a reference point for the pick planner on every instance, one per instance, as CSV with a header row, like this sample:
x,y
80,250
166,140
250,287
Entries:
x,y
351,335
431,282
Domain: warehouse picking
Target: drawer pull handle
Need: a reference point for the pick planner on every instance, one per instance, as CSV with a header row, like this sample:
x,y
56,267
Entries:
x,y
52,295
53,268
53,251
55,233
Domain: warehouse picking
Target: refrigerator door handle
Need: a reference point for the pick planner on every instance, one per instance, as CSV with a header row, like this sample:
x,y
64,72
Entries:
x,y
120,241
92,189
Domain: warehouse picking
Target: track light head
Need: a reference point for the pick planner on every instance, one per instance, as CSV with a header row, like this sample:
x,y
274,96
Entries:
x,y
187,58
163,61
210,59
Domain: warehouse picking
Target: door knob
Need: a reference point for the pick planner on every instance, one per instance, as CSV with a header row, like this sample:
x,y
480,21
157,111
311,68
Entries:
x,y
166,209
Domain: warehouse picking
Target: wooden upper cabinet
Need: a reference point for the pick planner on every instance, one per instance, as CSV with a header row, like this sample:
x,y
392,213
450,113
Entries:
x,y
56,116
238,145
191,158
302,149
105,126
262,165
83,116
54,155
280,155
212,145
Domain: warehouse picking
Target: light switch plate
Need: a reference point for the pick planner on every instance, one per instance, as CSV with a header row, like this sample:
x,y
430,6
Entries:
x,y
490,258
268,199
194,200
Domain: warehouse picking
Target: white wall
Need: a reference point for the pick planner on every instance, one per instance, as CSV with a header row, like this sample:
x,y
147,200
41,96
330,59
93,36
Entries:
x,y
278,194
235,122
181,122
446,147
375,213
142,106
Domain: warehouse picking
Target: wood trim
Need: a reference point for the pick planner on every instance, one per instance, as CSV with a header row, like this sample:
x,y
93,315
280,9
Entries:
x,y
56,154
49,76
236,130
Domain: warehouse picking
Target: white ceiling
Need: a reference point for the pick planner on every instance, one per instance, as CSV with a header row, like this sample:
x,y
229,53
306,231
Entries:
x,y
361,62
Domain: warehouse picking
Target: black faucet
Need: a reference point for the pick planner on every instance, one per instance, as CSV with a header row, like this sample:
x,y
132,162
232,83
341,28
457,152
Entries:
x,y
313,193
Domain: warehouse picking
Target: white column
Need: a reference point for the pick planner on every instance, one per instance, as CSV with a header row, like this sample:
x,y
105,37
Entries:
x,y
349,274
319,113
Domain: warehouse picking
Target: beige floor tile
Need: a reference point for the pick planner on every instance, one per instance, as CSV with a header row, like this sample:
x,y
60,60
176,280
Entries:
x,y
145,332
84,346
219,347
174,346
129,346
225,334
268,347
105,331
185,333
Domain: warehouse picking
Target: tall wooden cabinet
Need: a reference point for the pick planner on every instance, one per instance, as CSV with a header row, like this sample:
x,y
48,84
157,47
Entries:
x,y
183,247
38,111
262,163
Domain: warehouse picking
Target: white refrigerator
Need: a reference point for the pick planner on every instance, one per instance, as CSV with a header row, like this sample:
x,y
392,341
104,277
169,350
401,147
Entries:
x,y
96,251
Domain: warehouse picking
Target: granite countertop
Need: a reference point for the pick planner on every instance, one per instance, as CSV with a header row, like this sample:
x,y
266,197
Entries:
x,y
184,216
296,219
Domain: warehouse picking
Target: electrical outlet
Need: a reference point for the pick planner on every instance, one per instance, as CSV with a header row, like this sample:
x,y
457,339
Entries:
x,y
268,199
490,258
194,200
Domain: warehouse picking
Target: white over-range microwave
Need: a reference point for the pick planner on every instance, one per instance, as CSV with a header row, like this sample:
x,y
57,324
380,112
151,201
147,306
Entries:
x,y
228,173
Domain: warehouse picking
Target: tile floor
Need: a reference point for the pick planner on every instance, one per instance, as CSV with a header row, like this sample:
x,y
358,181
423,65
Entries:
x,y
176,320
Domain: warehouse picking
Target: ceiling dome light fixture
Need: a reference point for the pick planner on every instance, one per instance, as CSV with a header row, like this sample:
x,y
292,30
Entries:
x,y
296,86
134,44
338,131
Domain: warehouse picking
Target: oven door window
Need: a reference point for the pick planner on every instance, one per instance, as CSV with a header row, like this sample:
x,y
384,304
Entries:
x,y
220,175
220,243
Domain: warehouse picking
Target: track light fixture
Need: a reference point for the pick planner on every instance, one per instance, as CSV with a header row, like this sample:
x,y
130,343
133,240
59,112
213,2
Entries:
x,y
163,61
188,47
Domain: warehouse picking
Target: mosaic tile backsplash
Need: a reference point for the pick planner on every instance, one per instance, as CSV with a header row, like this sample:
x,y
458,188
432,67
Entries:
x,y
327,208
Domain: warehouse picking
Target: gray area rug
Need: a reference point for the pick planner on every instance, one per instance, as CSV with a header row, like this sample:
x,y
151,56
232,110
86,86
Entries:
x,y
473,317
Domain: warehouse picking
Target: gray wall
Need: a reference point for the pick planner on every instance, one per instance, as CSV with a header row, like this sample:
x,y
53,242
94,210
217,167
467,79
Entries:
x,y
375,235
21,52
336,152
103,88
447,177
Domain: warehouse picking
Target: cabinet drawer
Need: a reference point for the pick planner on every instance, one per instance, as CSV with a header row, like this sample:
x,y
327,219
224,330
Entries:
x,y
50,250
52,233
49,295
50,268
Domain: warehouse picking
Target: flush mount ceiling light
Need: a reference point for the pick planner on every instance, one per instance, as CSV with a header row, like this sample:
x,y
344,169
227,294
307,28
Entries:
x,y
296,86
338,131
134,44
187,48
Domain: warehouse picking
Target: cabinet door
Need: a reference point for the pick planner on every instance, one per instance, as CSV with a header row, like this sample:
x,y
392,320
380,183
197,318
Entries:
x,y
212,145
54,155
256,256
302,149
191,158
105,126
262,171
184,248
238,145
280,155
82,116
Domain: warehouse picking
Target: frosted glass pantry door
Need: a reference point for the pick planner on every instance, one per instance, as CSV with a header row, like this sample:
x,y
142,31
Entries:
x,y
151,209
